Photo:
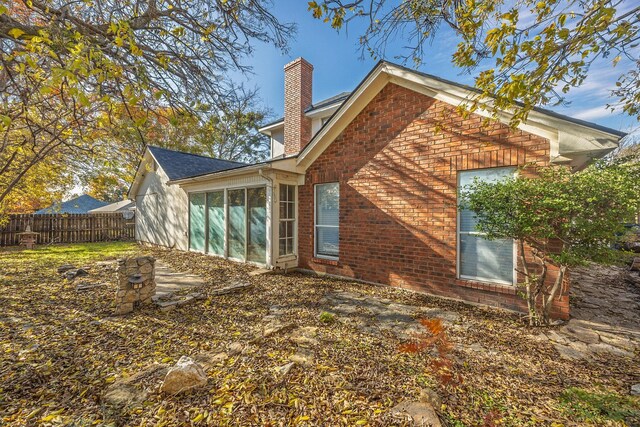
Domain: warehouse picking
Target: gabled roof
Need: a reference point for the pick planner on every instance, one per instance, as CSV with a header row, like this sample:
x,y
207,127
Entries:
x,y
122,205
178,164
79,205
572,141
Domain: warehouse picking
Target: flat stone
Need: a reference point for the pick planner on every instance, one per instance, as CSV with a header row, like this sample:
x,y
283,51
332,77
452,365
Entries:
x,y
129,391
635,265
635,389
418,413
431,397
609,349
231,289
585,335
570,352
86,286
277,328
65,267
303,357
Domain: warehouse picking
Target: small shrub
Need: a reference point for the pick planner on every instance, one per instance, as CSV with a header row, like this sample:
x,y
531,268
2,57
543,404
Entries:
x,y
327,318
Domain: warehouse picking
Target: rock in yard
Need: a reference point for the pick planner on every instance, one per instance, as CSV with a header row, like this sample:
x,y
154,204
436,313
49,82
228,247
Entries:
x,y
72,274
420,413
185,375
235,348
635,265
284,369
65,267
635,389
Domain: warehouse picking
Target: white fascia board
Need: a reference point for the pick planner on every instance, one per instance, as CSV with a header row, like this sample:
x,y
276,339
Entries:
x,y
325,111
270,128
139,176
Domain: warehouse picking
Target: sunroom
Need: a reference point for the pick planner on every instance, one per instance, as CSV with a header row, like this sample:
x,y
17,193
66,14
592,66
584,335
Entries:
x,y
248,214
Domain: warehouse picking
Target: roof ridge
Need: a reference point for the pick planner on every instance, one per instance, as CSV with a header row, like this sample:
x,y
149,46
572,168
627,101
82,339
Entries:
x,y
194,154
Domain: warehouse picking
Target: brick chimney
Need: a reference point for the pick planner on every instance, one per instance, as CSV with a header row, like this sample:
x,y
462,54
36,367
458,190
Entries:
x,y
298,78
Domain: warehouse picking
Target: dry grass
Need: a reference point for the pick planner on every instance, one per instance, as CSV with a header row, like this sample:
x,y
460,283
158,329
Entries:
x,y
60,350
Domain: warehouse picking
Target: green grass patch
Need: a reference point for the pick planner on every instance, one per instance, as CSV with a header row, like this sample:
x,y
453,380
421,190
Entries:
x,y
69,254
599,407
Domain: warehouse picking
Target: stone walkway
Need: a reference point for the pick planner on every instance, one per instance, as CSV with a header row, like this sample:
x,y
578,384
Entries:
x,y
605,310
169,281
375,315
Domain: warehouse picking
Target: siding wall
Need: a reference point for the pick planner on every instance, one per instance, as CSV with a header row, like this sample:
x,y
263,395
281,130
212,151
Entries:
x,y
397,166
161,211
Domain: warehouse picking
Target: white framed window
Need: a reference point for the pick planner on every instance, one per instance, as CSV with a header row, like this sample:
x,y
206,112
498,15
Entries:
x,y
479,258
287,206
327,220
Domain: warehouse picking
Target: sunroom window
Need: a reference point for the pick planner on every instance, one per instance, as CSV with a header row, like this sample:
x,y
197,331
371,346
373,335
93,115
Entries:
x,y
327,215
287,219
479,258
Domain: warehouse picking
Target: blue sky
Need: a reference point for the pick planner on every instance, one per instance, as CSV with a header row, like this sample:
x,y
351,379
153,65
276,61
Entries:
x,y
338,67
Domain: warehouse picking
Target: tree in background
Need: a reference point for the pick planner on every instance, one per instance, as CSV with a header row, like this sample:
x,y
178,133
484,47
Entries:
x,y
66,67
566,219
528,51
228,132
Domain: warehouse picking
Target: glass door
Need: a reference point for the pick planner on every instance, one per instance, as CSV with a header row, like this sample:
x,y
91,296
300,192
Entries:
x,y
196,222
257,225
215,227
237,224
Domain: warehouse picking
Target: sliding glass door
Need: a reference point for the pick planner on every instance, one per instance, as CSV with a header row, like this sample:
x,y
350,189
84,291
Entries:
x,y
237,223
215,227
196,222
257,225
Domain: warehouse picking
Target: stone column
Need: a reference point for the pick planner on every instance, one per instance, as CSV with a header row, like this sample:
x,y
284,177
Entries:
x,y
136,283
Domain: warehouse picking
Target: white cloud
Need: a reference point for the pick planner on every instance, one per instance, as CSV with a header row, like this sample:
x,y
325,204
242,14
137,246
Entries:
x,y
592,113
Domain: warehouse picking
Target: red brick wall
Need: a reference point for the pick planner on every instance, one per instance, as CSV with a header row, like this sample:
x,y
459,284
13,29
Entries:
x,y
298,82
397,166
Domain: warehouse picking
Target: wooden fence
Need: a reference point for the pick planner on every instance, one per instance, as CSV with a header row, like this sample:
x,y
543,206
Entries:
x,y
69,228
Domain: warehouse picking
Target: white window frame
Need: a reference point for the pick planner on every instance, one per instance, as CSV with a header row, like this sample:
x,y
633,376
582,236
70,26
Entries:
x,y
514,279
292,220
315,222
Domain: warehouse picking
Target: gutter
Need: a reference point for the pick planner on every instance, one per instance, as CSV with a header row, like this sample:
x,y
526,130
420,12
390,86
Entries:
x,y
215,175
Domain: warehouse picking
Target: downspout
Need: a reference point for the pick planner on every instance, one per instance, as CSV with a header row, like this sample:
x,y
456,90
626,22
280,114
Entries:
x,y
269,218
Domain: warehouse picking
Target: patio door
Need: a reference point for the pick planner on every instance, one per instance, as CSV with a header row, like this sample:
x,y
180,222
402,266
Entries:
x,y
215,223
237,223
257,225
197,222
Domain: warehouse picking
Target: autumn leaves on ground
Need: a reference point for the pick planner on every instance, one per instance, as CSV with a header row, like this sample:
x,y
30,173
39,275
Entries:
x,y
60,350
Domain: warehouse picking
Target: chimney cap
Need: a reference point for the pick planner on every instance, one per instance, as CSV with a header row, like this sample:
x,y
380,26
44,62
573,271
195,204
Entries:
x,y
299,60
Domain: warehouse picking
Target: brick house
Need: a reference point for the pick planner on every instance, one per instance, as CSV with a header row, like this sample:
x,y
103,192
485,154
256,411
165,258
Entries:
x,y
365,185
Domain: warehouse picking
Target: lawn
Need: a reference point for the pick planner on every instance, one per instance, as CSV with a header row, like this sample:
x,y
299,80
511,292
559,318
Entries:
x,y
61,350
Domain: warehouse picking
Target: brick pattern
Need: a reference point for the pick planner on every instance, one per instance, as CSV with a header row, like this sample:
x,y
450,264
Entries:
x,y
298,82
397,165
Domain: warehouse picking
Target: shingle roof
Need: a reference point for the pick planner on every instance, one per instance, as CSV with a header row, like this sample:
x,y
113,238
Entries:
x,y
179,165
79,205
336,99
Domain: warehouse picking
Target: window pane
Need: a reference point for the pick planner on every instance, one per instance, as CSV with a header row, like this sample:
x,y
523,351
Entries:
x,y
196,221
290,210
237,224
327,204
257,233
215,210
481,258
327,241
283,210
486,259
282,248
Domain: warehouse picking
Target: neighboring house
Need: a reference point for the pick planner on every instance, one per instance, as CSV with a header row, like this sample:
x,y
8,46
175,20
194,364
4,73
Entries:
x,y
80,205
121,206
365,185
